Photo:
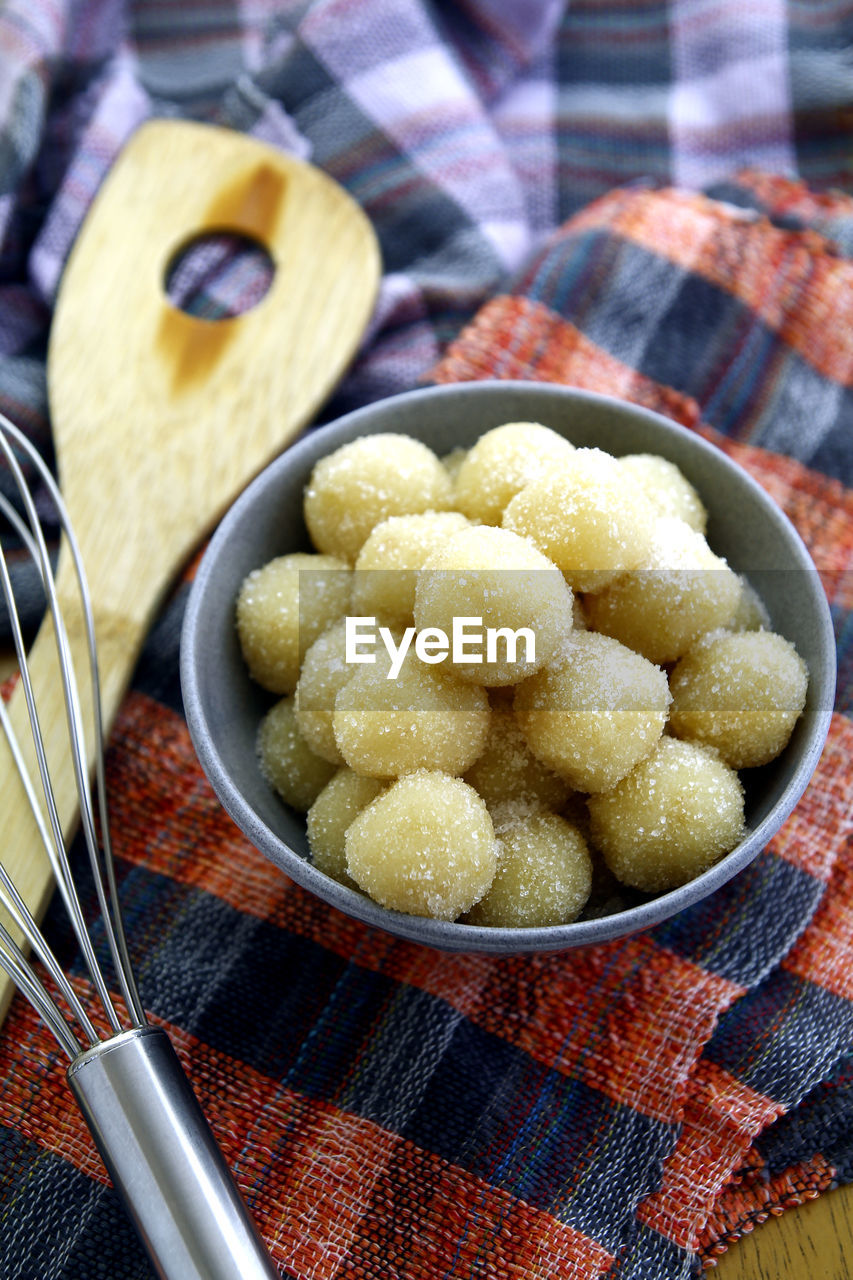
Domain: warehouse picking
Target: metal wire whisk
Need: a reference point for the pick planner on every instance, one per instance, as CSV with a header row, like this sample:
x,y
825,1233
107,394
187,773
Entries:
x,y
130,1086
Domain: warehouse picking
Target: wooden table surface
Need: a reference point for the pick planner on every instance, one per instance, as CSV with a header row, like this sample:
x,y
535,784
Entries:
x,y
812,1242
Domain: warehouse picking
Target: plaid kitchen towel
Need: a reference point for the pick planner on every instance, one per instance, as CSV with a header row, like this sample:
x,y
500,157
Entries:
x,y
389,1111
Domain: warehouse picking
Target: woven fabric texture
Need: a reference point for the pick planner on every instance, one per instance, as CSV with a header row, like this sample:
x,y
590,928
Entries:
x,y
532,172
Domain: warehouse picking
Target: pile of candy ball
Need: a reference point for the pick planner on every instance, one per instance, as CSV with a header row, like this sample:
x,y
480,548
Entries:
x,y
508,791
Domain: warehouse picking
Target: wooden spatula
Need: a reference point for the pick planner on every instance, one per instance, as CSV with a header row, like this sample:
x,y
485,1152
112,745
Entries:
x,y
160,418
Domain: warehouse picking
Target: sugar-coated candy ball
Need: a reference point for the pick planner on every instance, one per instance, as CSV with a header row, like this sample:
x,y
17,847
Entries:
x,y
386,569
296,772
751,612
679,591
283,607
501,463
595,712
586,517
543,876
420,719
508,770
324,673
425,846
676,814
669,492
607,895
496,576
336,807
740,692
453,461
351,490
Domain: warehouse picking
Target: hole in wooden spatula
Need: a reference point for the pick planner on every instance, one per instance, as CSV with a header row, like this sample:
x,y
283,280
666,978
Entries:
x,y
219,274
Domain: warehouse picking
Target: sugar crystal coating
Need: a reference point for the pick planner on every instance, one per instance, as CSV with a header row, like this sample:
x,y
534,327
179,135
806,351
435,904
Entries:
x,y
680,590
668,491
543,876
495,575
452,461
751,612
420,720
676,814
585,516
508,770
501,463
324,673
366,481
592,714
287,762
283,607
740,692
575,745
426,845
386,569
336,807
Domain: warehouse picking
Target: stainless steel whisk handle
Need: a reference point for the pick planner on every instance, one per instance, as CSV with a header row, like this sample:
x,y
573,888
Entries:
x,y
164,1161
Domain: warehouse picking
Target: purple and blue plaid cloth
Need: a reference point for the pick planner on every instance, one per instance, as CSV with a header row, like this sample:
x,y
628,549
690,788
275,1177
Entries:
x,y
389,1111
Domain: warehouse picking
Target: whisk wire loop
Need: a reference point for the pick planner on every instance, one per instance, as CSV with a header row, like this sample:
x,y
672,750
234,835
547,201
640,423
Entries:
x,y
101,863
55,847
129,1085
51,837
24,922
14,962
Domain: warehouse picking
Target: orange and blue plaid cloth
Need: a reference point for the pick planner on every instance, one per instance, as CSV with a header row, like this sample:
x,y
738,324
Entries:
x,y
625,1111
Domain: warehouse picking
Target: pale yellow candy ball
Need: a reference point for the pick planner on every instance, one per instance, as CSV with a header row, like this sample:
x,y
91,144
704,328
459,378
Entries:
x,y
676,814
501,579
419,720
740,692
579,618
336,807
501,463
296,772
425,846
324,673
283,607
668,491
586,517
386,569
453,461
508,769
592,715
543,876
679,591
365,482
751,612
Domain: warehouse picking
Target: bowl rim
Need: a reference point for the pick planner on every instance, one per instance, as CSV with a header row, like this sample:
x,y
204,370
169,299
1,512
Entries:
x,y
456,935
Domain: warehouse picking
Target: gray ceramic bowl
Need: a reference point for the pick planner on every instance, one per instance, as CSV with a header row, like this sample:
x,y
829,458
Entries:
x,y
224,708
